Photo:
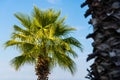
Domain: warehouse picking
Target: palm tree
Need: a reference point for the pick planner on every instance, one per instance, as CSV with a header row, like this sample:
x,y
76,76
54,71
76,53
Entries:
x,y
106,35
44,41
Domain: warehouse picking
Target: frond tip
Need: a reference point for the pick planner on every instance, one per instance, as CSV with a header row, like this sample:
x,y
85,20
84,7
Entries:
x,y
12,43
73,41
19,61
67,63
24,19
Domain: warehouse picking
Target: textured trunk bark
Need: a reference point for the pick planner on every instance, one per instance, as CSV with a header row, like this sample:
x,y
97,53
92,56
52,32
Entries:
x,y
42,68
106,35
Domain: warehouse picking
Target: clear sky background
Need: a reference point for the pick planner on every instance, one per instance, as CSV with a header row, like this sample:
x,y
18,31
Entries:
x,y
75,18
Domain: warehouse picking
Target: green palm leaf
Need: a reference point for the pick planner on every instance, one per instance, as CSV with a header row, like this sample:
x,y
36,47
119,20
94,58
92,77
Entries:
x,y
24,19
19,61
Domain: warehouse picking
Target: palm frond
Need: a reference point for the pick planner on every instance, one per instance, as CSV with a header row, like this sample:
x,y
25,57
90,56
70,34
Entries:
x,y
21,44
19,61
19,36
61,20
63,30
46,17
36,24
24,19
34,51
20,30
38,15
71,52
52,16
27,47
73,41
13,43
65,61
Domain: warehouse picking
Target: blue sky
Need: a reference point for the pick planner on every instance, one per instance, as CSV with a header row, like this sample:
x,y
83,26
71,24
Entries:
x,y
75,18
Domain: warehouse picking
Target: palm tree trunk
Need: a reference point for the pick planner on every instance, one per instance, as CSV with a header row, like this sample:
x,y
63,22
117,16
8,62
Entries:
x,y
106,35
42,68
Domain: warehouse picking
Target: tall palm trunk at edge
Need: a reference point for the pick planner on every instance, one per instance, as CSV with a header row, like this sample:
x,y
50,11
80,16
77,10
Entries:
x,y
106,35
